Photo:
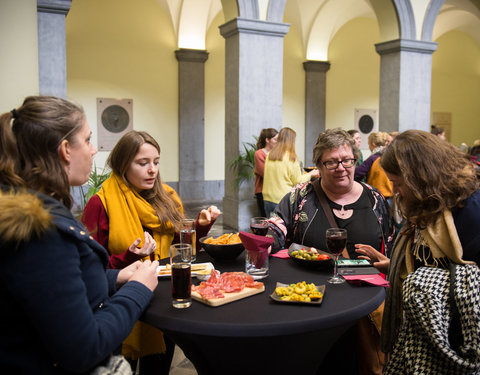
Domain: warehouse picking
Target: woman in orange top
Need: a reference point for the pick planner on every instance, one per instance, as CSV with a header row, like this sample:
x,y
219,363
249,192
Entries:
x,y
267,139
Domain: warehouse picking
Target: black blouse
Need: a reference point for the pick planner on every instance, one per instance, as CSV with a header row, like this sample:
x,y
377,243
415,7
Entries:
x,y
362,227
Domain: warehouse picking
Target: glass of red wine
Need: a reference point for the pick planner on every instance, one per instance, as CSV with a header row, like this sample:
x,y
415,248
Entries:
x,y
259,225
336,242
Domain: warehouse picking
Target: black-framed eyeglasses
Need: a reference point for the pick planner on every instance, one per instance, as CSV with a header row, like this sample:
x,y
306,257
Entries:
x,y
333,164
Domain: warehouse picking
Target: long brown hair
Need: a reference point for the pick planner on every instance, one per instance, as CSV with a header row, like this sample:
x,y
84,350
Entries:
x,y
285,144
119,160
267,133
30,136
438,175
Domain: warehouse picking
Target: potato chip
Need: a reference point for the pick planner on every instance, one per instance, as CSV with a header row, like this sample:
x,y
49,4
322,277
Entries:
x,y
224,239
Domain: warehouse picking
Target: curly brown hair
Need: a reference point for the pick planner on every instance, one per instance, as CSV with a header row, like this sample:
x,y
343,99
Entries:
x,y
438,175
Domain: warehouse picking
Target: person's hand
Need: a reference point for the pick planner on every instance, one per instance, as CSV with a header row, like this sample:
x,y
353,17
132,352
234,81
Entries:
x,y
314,173
149,246
143,272
126,273
376,258
208,215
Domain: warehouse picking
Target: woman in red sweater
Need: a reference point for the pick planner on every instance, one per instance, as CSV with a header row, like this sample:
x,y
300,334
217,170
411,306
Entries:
x,y
266,141
135,215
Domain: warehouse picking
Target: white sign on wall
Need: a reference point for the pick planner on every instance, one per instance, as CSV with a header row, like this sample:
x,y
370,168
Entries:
x,y
114,119
366,123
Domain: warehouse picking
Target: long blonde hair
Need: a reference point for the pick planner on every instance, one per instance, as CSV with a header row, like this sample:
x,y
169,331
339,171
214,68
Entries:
x,y
285,144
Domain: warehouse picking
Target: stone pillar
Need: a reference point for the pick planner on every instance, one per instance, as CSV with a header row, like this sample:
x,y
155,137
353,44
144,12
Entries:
x,y
405,84
253,100
52,55
191,119
315,103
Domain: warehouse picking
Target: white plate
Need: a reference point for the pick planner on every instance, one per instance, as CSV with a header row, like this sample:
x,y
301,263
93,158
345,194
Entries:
x,y
201,275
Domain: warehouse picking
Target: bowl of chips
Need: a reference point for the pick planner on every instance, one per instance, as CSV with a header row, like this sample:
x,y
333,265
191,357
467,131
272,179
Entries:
x,y
226,247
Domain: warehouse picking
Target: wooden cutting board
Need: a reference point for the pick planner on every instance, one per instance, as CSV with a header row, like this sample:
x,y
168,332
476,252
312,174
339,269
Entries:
x,y
229,297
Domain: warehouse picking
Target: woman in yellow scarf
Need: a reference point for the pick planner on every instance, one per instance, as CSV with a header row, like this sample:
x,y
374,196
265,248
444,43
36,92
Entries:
x,y
134,216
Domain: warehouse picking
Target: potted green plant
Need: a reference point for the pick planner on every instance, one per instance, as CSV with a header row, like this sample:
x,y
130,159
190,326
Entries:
x,y
85,192
244,164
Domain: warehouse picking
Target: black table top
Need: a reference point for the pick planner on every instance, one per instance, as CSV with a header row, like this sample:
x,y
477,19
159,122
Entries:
x,y
259,315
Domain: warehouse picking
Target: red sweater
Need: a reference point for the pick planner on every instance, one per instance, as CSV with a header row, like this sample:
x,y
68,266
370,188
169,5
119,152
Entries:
x,y
96,220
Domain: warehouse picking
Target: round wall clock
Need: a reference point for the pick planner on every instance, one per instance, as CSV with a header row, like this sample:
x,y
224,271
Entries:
x,y
115,118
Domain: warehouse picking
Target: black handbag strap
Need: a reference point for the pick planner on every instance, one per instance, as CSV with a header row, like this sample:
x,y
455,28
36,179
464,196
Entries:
x,y
323,202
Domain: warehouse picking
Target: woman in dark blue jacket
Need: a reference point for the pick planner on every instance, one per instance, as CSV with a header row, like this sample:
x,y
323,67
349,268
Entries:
x,y
62,311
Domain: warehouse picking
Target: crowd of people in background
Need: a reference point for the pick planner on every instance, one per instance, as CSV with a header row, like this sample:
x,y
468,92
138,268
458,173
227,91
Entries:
x,y
73,292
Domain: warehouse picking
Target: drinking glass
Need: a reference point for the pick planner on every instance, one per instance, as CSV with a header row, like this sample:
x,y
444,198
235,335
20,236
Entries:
x,y
259,225
188,236
336,242
180,261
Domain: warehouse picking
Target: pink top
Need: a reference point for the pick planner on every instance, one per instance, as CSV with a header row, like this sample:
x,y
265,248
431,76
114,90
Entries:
x,y
260,156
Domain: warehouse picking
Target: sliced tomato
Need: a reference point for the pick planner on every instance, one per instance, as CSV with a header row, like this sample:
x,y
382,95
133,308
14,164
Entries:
x,y
323,257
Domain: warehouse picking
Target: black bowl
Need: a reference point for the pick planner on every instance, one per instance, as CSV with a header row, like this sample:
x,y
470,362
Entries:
x,y
313,264
222,253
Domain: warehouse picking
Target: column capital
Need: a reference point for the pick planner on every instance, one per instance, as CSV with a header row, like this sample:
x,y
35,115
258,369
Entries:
x,y
405,45
191,55
54,6
249,26
316,66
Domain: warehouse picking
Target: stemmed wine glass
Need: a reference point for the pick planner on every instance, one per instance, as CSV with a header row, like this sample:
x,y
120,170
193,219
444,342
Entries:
x,y
336,242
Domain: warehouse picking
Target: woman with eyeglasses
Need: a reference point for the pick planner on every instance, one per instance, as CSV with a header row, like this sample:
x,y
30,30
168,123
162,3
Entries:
x,y
356,206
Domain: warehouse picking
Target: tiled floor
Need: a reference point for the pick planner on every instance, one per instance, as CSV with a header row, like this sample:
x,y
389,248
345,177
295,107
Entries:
x,y
180,364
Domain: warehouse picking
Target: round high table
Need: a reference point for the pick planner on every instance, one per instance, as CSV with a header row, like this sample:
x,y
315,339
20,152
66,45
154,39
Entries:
x,y
257,335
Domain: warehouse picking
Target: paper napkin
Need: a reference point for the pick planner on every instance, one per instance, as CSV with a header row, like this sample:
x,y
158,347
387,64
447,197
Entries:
x,y
376,280
256,246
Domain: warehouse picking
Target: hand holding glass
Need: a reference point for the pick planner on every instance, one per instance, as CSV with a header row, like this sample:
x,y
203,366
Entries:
x,y
336,243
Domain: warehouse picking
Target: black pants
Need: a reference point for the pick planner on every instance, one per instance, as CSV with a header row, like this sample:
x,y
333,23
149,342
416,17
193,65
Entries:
x,y
261,207
155,364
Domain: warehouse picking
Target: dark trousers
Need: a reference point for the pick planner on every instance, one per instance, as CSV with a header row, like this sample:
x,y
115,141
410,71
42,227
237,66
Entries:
x,y
261,207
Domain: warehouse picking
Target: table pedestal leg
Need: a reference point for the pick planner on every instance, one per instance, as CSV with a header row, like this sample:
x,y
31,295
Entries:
x,y
300,354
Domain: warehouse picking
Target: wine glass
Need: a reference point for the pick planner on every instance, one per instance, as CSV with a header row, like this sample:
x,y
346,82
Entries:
x,y
336,242
259,225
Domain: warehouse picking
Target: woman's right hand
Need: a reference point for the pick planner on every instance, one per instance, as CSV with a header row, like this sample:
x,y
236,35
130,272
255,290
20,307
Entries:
x,y
146,274
314,173
376,258
149,246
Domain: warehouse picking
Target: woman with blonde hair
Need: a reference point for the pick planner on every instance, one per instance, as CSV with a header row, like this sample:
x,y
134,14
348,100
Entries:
x,y
282,170
136,216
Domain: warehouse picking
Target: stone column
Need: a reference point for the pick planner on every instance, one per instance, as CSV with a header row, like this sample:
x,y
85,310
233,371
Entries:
x,y
52,55
191,119
405,84
253,100
315,103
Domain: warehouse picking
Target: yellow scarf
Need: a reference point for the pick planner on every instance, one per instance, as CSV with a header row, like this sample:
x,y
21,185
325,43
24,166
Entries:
x,y
129,215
